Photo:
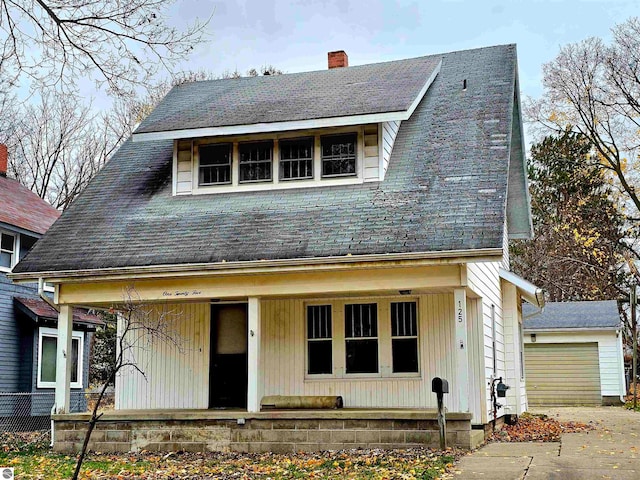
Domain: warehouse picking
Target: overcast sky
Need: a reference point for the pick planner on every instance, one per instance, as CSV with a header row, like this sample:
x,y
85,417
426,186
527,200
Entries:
x,y
295,35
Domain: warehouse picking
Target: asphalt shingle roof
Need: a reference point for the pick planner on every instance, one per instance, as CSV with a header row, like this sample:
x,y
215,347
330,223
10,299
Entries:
x,y
445,189
375,88
22,208
597,315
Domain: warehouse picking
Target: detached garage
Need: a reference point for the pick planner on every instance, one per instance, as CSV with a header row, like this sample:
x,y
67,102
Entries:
x,y
573,354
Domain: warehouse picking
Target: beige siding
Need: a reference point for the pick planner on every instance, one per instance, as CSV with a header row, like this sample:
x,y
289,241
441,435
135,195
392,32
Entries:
x,y
283,352
176,372
389,132
371,154
563,374
484,280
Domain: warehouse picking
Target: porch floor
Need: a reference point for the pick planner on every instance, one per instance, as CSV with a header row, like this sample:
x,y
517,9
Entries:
x,y
279,414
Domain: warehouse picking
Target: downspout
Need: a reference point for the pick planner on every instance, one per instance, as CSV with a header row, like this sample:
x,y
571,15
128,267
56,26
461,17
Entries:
x,y
44,296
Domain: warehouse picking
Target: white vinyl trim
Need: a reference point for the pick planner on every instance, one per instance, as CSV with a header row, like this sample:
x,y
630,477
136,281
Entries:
x,y
53,333
531,293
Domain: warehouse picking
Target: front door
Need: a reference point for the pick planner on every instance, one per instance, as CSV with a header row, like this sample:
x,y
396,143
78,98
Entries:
x,y
228,367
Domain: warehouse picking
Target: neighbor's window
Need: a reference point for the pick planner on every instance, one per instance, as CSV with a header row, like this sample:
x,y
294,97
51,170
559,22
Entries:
x,y
404,337
215,164
255,161
361,337
296,158
7,250
338,155
319,349
48,344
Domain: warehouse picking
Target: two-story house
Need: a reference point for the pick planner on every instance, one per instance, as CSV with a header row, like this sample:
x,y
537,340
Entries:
x,y
338,233
27,322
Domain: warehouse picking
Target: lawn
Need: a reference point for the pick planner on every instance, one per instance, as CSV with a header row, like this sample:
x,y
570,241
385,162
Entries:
x,y
40,463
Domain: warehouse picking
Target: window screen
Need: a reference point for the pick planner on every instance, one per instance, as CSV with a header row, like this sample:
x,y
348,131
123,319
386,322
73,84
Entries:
x,y
404,337
319,340
361,337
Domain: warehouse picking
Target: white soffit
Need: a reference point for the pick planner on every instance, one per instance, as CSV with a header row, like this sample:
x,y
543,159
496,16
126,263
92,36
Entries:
x,y
532,294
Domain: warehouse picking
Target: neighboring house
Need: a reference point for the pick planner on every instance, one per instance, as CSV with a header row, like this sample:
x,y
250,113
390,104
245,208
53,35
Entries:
x,y
27,322
573,354
330,233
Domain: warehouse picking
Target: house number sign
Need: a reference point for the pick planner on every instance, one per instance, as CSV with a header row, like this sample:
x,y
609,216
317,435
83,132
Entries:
x,y
460,311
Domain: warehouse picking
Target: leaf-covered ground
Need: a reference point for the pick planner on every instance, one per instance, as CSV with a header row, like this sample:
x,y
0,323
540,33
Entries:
x,y
348,464
538,428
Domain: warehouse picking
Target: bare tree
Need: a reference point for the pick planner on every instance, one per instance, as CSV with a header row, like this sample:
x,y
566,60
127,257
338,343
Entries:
x,y
120,44
58,146
594,89
139,326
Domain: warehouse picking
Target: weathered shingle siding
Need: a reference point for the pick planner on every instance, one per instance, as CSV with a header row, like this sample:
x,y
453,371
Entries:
x,y
13,372
445,189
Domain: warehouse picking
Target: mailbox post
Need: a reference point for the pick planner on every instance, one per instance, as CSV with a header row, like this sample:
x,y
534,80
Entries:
x,y
440,386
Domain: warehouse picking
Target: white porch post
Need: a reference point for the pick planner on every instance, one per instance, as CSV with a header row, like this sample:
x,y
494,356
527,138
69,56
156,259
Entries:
x,y
254,374
462,349
63,359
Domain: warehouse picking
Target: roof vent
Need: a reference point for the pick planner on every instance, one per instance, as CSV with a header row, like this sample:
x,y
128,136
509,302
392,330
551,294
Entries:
x,y
338,59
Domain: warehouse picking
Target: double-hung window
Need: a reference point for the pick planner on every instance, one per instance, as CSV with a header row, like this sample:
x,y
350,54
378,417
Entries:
x,y
8,249
296,158
256,161
339,155
361,337
404,337
47,356
319,340
215,164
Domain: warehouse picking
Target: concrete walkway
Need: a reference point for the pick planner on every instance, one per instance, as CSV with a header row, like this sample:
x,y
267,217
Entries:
x,y
611,451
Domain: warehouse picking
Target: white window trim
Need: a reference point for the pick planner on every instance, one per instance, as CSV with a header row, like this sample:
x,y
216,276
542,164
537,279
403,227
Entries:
x,y
53,332
276,183
385,356
16,250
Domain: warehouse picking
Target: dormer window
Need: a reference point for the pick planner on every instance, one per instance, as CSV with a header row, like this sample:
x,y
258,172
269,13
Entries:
x,y
7,250
256,161
339,155
296,158
215,164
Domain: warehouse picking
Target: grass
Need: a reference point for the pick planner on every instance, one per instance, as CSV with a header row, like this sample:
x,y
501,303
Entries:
x,y
423,464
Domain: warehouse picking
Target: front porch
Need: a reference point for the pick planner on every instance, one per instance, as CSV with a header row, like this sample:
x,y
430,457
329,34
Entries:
x,y
278,431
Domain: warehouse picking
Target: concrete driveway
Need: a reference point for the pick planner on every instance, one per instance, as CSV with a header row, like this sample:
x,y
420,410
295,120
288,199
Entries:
x,y
611,451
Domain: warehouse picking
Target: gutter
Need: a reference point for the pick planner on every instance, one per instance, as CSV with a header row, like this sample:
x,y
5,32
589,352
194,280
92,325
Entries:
x,y
44,296
531,293
383,260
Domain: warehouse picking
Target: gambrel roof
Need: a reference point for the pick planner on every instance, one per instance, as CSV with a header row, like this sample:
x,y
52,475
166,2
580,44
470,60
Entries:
x,y
456,172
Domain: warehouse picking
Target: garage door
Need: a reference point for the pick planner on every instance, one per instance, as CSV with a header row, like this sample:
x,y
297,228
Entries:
x,y
562,374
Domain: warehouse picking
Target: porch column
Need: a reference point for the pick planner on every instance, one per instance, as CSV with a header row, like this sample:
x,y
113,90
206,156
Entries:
x,y
254,373
63,359
462,349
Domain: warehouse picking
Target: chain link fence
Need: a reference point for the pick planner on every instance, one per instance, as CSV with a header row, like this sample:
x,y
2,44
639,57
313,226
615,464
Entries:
x,y
31,412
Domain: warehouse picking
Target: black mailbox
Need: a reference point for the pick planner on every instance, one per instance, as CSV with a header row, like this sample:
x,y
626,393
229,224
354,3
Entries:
x,y
439,385
501,389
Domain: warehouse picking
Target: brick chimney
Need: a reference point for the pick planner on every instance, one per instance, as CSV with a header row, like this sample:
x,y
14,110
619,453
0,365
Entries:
x,y
338,59
3,160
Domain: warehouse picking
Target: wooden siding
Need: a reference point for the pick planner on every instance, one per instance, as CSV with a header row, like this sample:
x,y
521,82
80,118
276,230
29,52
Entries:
x,y
15,363
475,336
184,168
611,367
563,373
389,132
283,353
371,154
177,375
484,280
516,395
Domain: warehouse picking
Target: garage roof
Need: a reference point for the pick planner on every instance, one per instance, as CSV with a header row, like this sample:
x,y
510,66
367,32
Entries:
x,y
568,315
